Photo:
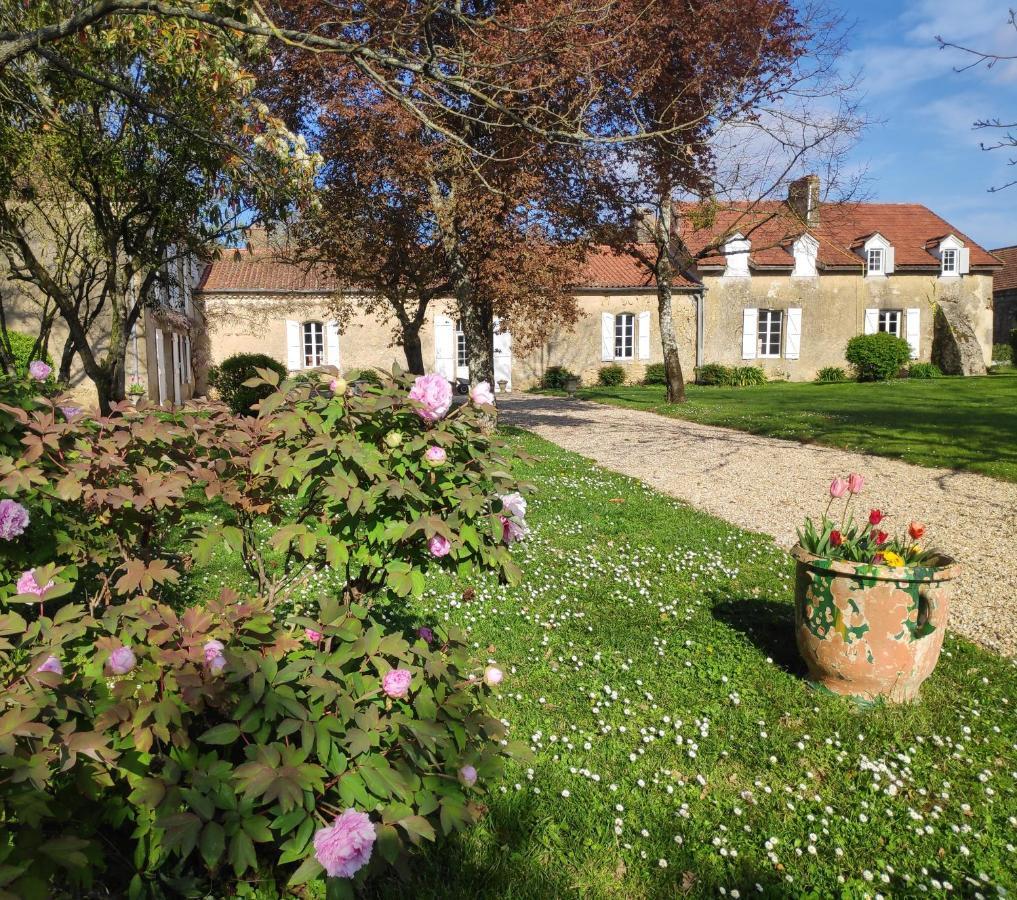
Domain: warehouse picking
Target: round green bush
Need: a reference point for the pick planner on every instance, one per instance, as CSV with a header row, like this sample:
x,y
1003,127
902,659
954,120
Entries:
x,y
924,370
610,376
831,375
1002,354
21,349
877,357
554,378
713,373
229,377
655,374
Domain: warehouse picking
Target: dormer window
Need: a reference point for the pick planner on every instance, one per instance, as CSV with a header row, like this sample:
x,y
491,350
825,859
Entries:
x,y
949,262
954,257
877,252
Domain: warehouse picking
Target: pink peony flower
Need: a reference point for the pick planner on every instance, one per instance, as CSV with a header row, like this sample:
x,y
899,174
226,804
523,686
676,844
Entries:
x,y
425,634
436,455
855,483
396,683
482,394
52,664
312,635
13,519
217,664
345,846
213,649
838,488
121,661
70,412
434,394
439,546
39,370
337,385
28,585
493,676
513,504
468,776
513,530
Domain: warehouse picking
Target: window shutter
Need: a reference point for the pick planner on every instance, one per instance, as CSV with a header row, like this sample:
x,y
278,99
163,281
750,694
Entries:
x,y
888,261
963,261
332,343
607,337
294,357
871,321
750,322
502,356
445,347
914,330
644,334
188,372
793,341
160,365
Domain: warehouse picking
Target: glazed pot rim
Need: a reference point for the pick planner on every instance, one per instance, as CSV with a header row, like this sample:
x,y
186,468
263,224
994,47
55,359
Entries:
x,y
947,569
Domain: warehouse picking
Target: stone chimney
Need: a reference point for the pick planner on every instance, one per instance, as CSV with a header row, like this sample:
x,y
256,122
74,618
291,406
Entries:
x,y
803,198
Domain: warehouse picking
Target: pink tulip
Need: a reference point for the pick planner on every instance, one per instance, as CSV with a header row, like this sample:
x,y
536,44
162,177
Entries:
x,y
838,488
855,483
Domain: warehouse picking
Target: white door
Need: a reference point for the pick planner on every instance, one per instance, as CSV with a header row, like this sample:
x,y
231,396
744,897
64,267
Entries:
x,y
444,346
502,356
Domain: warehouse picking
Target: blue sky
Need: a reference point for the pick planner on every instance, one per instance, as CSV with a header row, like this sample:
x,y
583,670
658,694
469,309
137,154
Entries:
x,y
924,148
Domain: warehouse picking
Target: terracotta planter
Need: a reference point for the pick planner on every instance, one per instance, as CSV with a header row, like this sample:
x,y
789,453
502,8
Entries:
x,y
868,631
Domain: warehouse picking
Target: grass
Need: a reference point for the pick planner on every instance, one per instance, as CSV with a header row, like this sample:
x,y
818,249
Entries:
x,y
958,423
677,749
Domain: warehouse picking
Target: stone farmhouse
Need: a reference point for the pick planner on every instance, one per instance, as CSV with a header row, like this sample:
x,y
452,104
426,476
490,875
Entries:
x,y
1004,295
789,284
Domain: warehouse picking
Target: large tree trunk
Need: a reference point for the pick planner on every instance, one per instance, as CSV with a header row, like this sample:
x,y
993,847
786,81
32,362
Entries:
x,y
664,275
66,361
413,349
476,318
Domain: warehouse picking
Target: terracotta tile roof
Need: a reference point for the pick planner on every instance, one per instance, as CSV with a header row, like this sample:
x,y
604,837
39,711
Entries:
x,y
262,271
1006,278
605,268
912,229
265,272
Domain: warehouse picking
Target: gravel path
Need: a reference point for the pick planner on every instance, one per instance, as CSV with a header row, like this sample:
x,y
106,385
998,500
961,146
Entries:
x,y
770,485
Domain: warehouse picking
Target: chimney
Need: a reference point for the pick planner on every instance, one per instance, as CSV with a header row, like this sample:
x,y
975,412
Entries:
x,y
803,198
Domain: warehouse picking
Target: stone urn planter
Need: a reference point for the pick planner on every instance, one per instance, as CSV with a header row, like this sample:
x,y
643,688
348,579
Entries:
x,y
571,386
871,631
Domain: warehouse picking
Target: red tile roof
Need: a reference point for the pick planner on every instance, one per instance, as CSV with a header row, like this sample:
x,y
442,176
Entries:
x,y
1006,278
265,272
912,229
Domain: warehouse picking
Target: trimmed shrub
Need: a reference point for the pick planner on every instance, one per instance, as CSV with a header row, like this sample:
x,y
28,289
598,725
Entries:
x,y
655,374
877,357
554,378
831,375
924,370
1002,354
21,349
206,744
730,376
610,376
1013,346
228,379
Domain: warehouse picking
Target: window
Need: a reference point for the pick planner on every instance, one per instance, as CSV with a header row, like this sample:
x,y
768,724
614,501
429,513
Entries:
x,y
624,331
314,344
889,321
874,260
949,261
768,332
461,359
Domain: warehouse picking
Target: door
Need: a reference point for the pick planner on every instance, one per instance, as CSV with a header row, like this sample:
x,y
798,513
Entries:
x,y
502,357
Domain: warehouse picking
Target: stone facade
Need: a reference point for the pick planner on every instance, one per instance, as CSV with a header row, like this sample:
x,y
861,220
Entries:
x,y
1005,296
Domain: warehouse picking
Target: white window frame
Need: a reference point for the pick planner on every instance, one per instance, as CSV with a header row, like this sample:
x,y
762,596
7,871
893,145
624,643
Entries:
x,y
765,319
462,357
953,255
874,254
625,336
312,344
883,320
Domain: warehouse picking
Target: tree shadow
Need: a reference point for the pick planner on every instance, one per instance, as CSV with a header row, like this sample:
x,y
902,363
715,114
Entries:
x,y
768,624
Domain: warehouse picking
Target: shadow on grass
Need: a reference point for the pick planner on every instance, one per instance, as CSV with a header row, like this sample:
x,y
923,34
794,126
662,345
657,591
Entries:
x,y
768,624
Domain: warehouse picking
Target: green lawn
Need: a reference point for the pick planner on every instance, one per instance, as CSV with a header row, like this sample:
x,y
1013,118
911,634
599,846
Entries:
x,y
961,423
678,752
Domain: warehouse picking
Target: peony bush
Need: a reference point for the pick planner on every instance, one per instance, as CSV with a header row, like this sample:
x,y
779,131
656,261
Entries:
x,y
165,747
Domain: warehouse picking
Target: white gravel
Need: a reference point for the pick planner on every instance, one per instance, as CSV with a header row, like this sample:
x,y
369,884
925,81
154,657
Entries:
x,y
770,485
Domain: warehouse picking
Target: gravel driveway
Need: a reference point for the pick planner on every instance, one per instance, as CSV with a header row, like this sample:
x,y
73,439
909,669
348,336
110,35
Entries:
x,y
769,485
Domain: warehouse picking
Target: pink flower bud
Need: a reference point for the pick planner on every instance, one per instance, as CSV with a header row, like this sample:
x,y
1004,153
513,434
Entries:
x,y
52,664
312,635
838,488
212,649
396,683
435,455
439,546
121,661
855,483
468,776
493,676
